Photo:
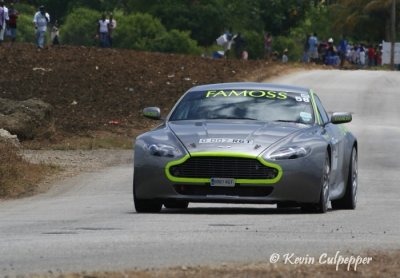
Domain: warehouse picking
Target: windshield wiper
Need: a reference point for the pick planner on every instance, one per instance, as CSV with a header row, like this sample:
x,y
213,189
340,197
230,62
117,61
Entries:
x,y
287,121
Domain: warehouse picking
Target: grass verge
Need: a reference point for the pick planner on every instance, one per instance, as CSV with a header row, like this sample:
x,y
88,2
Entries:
x,y
18,177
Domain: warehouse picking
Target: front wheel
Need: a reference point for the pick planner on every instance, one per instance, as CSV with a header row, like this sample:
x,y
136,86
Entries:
x,y
144,205
349,200
322,205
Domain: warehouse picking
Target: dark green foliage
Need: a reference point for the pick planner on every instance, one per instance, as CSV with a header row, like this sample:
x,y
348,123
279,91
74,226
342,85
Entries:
x,y
26,31
295,49
80,27
205,22
139,31
176,41
172,25
254,44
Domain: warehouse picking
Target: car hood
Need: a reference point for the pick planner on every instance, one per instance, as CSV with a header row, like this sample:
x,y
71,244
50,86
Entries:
x,y
250,137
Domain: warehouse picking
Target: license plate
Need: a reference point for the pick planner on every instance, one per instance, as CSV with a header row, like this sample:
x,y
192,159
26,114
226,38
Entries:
x,y
226,182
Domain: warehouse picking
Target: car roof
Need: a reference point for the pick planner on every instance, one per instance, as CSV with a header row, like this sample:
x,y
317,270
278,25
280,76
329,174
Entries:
x,y
250,86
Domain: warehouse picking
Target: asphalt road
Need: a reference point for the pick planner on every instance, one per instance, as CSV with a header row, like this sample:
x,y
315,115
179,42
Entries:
x,y
88,222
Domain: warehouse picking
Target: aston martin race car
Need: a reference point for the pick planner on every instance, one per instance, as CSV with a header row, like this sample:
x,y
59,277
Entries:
x,y
246,143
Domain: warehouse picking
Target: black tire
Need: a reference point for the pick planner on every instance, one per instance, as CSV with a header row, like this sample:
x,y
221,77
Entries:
x,y
176,204
349,199
322,205
144,205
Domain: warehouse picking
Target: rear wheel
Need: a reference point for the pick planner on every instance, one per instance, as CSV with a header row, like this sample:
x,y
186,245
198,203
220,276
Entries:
x,y
349,200
176,204
144,205
322,205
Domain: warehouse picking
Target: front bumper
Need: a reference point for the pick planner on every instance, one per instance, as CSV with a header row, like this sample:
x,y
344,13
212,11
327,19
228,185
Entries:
x,y
300,182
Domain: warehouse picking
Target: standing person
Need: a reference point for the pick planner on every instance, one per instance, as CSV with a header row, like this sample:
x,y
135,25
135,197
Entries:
x,y
3,20
239,43
112,24
102,31
371,56
267,45
40,20
313,48
55,34
342,51
362,55
285,57
12,23
1,17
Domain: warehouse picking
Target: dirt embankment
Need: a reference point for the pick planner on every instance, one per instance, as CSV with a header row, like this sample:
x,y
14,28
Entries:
x,y
106,89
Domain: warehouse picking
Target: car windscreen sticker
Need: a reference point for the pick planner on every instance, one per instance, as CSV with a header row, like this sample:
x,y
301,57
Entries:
x,y
224,141
247,93
305,116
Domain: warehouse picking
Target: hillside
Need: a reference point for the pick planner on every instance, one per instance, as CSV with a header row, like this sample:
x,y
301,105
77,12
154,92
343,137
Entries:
x,y
95,89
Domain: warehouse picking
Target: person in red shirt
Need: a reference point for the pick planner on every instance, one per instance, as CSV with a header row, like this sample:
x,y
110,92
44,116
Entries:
x,y
371,56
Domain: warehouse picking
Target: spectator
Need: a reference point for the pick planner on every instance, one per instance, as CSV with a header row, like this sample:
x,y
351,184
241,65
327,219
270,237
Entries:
x,y
267,45
371,56
12,23
102,31
3,20
112,24
239,43
342,51
229,42
362,56
40,20
245,55
55,34
313,48
378,55
331,57
285,57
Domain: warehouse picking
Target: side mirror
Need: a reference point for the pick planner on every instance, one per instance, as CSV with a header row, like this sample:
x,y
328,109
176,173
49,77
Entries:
x,y
152,113
341,117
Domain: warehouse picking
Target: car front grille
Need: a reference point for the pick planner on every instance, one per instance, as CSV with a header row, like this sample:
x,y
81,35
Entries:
x,y
223,167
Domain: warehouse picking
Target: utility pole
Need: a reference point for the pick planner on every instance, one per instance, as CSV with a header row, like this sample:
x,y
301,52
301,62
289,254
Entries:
x,y
393,19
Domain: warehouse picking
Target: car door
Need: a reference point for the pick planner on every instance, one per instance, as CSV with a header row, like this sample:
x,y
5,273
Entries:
x,y
336,139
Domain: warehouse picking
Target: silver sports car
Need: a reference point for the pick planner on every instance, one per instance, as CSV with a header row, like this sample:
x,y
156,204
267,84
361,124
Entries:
x,y
246,143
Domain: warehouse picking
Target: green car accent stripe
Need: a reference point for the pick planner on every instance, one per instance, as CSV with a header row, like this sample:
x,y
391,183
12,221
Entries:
x,y
315,107
223,154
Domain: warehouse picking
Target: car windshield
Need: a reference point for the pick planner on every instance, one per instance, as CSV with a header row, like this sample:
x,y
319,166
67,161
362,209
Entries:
x,y
261,105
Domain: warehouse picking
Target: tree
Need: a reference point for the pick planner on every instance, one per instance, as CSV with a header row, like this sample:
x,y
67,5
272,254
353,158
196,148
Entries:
x,y
364,19
80,27
139,31
204,21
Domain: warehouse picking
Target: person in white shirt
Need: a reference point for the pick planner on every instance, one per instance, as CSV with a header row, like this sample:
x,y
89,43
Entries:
x,y
4,18
40,20
103,31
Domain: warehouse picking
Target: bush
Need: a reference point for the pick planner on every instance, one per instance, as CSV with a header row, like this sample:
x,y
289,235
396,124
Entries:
x,y
25,29
80,27
295,49
139,31
254,44
177,41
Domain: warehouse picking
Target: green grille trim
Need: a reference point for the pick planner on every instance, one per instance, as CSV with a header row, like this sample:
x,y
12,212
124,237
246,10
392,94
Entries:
x,y
223,154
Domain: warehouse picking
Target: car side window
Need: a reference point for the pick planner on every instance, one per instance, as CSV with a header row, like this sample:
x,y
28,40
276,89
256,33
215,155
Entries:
x,y
324,116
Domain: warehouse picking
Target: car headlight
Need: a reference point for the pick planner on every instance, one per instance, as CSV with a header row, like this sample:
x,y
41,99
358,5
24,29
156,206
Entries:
x,y
289,153
163,150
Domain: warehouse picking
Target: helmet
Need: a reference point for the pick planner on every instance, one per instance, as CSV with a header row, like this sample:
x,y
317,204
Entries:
x,y
330,40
